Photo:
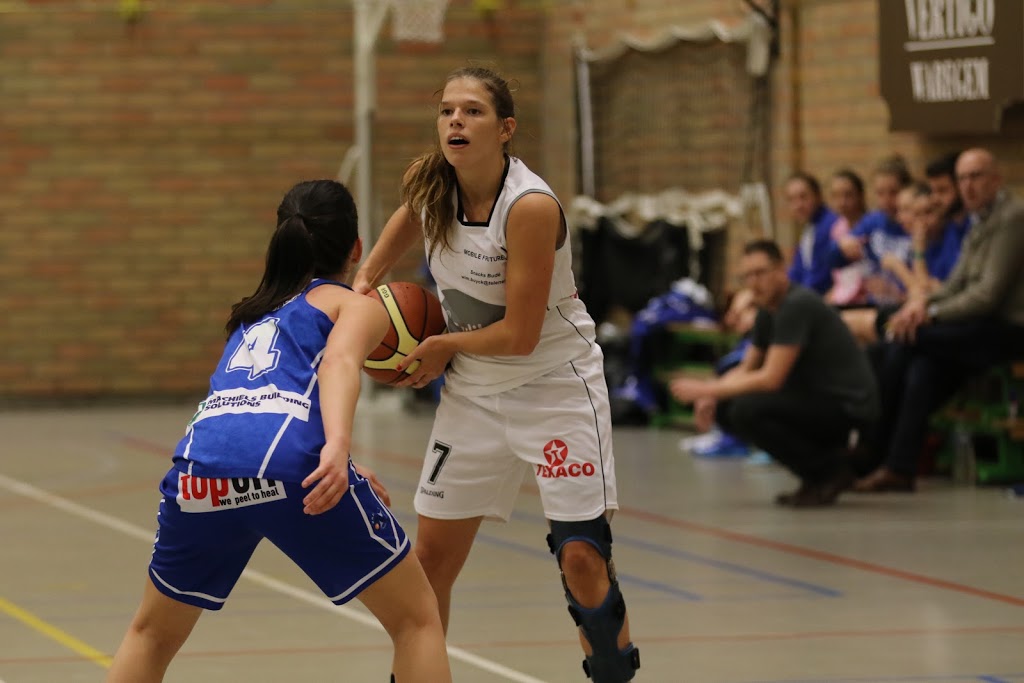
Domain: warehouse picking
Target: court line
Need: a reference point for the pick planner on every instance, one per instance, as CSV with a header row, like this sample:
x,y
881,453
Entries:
x,y
302,595
628,579
725,566
53,633
822,556
715,532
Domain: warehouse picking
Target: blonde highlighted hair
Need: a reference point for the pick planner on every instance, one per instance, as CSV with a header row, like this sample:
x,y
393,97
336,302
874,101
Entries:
x,y
429,182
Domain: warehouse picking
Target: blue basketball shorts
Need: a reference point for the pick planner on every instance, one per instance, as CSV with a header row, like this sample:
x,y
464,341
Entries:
x,y
209,528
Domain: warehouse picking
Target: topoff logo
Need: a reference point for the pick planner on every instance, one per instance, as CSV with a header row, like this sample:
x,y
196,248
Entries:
x,y
556,453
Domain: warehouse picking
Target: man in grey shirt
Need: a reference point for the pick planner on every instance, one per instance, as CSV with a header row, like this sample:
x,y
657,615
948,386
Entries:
x,y
804,387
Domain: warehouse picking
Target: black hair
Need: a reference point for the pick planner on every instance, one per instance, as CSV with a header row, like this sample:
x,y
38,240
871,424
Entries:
x,y
944,165
767,247
317,226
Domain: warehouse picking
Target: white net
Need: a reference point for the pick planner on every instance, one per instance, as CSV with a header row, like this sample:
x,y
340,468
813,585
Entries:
x,y
418,20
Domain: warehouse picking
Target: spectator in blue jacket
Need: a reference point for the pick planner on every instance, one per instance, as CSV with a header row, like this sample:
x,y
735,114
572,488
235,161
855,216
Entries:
x,y
878,234
941,176
811,265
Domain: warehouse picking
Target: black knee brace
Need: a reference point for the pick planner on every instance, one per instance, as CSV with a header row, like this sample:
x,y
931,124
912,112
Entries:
x,y
601,625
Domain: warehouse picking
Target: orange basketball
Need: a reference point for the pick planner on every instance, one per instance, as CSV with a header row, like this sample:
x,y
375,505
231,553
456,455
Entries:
x,y
415,315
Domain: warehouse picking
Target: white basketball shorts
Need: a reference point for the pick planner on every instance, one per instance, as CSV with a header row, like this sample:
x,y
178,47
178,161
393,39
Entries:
x,y
557,427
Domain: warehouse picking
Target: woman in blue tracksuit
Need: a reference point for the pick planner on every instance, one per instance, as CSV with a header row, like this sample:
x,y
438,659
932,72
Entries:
x,y
811,266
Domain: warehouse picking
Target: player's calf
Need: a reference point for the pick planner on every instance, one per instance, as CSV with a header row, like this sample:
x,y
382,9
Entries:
x,y
601,625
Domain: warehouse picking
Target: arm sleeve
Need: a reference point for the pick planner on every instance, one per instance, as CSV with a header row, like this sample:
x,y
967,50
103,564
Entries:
x,y
792,322
820,279
761,336
1005,255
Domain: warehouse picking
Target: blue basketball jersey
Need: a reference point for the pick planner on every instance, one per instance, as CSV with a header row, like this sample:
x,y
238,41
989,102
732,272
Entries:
x,y
262,415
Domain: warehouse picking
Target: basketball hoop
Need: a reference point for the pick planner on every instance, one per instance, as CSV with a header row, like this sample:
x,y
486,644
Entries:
x,y
419,21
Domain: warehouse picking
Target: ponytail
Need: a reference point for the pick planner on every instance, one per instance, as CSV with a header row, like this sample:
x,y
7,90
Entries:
x,y
289,268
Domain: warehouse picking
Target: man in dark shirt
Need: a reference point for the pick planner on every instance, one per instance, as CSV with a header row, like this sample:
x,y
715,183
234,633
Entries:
x,y
804,389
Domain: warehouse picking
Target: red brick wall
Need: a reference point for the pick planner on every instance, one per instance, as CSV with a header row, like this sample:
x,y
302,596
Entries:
x,y
141,165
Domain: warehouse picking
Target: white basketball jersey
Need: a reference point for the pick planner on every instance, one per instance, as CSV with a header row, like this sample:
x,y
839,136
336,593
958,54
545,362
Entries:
x,y
471,285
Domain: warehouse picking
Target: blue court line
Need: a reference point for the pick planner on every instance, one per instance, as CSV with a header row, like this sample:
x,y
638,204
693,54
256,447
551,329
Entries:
x,y
722,565
662,550
993,679
628,579
729,567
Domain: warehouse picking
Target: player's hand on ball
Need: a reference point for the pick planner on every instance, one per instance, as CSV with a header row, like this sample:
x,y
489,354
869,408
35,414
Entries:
x,y
331,478
433,355
378,488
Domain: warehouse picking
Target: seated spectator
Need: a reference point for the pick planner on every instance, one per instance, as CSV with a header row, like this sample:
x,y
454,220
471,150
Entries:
x,y
940,174
810,266
846,198
802,388
974,320
877,234
935,248
739,319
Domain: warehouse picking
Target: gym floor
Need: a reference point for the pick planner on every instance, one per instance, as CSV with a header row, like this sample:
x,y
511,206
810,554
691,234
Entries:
x,y
721,585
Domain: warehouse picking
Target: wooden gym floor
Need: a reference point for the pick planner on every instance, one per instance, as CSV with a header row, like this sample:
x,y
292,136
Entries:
x,y
722,586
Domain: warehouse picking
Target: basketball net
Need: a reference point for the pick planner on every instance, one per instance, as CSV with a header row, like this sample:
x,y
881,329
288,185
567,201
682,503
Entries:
x,y
418,20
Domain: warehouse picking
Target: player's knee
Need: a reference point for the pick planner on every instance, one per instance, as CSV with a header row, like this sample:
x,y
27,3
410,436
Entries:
x,y
158,636
580,561
583,548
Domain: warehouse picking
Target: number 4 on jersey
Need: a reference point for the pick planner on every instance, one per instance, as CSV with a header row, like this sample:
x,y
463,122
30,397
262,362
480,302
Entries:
x,y
256,353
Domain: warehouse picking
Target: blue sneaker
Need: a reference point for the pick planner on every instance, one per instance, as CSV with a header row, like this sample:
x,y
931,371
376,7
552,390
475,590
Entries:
x,y
726,446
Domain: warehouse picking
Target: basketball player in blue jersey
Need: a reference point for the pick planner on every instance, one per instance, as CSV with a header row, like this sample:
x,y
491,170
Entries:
x,y
524,388
266,455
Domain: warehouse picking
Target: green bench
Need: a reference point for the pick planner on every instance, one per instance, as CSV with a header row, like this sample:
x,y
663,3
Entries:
x,y
985,410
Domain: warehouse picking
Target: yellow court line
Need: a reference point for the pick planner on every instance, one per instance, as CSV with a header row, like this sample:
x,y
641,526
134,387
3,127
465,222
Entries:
x,y
54,633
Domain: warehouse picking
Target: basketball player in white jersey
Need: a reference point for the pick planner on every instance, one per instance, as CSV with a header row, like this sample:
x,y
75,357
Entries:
x,y
266,456
525,388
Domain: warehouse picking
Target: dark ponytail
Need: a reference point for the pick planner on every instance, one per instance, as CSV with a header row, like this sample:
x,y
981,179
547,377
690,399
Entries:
x,y
317,227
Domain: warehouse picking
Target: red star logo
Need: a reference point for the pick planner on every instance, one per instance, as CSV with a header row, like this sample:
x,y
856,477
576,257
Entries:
x,y
555,452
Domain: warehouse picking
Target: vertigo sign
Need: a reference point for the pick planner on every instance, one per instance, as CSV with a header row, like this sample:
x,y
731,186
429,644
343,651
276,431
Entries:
x,y
950,66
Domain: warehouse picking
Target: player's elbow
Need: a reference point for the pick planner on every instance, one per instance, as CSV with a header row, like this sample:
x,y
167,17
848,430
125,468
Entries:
x,y
771,381
523,342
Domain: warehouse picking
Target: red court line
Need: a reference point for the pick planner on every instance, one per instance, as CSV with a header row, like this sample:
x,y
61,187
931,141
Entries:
x,y
821,555
715,532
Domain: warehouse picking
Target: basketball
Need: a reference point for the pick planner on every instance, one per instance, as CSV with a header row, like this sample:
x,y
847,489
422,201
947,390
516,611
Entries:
x,y
415,315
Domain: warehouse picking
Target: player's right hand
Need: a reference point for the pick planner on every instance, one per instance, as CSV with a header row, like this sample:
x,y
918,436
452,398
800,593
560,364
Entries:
x,y
331,478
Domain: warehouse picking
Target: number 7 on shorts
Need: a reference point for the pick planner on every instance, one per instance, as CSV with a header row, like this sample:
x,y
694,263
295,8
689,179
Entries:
x,y
443,450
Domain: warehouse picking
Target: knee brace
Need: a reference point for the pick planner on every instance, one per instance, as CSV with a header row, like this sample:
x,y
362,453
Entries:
x,y
601,625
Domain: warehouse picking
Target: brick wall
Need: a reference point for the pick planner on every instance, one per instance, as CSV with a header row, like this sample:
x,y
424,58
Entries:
x,y
141,165
826,107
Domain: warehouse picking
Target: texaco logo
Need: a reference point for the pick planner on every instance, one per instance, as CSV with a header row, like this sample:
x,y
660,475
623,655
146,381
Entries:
x,y
556,453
